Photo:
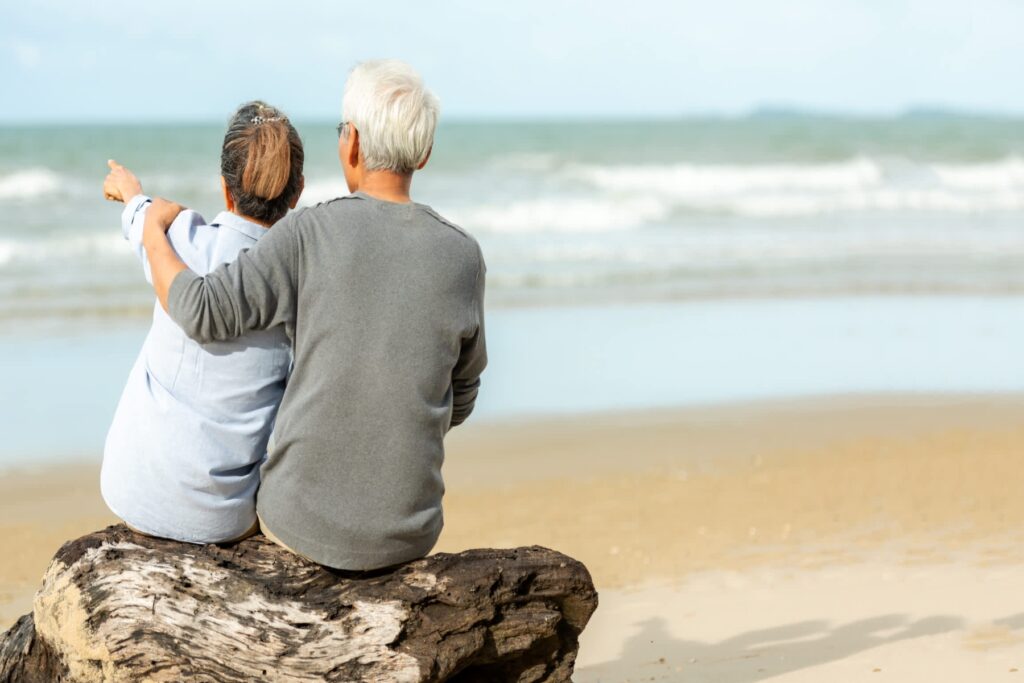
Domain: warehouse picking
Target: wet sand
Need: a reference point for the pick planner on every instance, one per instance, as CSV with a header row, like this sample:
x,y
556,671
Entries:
x,y
814,539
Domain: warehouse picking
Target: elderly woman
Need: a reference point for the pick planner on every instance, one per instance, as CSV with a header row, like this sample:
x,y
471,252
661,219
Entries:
x,y
385,298
182,456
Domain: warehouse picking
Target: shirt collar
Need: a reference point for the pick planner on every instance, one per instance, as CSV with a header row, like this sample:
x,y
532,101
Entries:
x,y
227,219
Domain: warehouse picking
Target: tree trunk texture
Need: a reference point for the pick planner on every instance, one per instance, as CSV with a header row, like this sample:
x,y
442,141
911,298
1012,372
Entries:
x,y
119,606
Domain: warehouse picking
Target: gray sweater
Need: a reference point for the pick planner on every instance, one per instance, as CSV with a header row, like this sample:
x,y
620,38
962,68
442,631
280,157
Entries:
x,y
384,306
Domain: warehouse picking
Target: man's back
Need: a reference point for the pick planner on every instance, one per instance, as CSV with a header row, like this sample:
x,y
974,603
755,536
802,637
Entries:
x,y
388,334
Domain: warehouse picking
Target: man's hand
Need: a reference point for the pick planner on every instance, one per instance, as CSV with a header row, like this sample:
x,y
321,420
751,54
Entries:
x,y
120,185
161,213
164,263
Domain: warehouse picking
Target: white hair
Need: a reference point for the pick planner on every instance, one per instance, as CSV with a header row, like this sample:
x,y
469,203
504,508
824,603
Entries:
x,y
394,113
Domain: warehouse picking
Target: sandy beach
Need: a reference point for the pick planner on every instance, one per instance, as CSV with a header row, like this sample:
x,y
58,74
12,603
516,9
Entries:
x,y
750,292
847,538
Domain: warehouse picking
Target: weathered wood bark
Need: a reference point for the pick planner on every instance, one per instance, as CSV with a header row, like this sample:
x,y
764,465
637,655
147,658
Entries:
x,y
119,606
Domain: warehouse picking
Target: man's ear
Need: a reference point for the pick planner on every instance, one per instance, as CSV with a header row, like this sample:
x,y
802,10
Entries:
x,y
425,159
353,150
302,186
229,201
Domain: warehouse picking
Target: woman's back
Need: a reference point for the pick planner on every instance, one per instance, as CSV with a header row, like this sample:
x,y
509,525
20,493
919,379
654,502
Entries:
x,y
182,458
183,453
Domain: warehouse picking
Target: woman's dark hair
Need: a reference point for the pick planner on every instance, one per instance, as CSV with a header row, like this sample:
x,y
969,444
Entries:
x,y
261,162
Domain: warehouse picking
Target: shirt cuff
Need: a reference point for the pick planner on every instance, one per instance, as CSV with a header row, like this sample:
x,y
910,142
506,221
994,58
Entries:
x,y
131,208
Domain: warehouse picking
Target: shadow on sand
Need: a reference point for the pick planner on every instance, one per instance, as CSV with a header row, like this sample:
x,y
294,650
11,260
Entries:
x,y
654,655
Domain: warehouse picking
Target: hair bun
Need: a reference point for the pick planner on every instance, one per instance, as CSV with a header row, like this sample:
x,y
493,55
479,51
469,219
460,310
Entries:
x,y
261,161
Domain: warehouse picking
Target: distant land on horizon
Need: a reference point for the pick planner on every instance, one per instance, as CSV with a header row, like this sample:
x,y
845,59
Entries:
x,y
763,112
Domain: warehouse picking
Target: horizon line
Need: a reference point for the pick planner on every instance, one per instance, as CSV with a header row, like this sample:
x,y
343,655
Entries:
x,y
764,112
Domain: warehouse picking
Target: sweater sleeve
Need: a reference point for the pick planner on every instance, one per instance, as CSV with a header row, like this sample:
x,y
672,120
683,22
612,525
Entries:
x,y
257,291
472,359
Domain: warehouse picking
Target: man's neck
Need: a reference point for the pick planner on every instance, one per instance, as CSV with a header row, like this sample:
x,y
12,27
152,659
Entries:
x,y
387,186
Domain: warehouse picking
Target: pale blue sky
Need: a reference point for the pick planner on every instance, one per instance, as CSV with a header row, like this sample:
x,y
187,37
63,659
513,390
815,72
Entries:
x,y
190,59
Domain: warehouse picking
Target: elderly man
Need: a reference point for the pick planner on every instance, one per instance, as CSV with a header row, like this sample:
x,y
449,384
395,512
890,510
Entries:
x,y
383,301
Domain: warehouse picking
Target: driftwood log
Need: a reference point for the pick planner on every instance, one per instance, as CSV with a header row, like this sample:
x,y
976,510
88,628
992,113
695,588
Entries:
x,y
119,606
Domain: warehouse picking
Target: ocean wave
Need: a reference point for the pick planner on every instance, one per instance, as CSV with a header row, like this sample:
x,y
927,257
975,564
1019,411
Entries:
x,y
322,190
29,183
779,190
40,184
709,250
697,180
1007,174
601,214
59,248
768,205
565,214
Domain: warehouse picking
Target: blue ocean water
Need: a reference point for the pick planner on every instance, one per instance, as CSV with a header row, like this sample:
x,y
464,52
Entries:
x,y
571,213
630,263
545,361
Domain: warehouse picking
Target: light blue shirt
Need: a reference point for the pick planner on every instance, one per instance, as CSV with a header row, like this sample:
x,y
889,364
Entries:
x,y
183,454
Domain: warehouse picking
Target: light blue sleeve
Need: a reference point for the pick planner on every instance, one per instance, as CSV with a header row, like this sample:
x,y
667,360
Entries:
x,y
181,234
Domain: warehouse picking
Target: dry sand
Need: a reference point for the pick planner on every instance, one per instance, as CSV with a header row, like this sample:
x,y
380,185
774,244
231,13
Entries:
x,y
873,621
859,538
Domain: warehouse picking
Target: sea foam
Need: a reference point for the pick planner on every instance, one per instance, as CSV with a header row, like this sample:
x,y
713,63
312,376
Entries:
x,y
856,185
56,248
562,214
29,183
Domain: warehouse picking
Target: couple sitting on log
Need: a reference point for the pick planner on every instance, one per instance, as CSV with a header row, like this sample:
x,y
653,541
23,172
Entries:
x,y
299,378
302,369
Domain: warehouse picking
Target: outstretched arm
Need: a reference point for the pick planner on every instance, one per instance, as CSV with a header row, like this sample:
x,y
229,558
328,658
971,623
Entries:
x,y
121,185
256,291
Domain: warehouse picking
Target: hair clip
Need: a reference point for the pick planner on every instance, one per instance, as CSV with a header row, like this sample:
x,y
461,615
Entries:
x,y
257,120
